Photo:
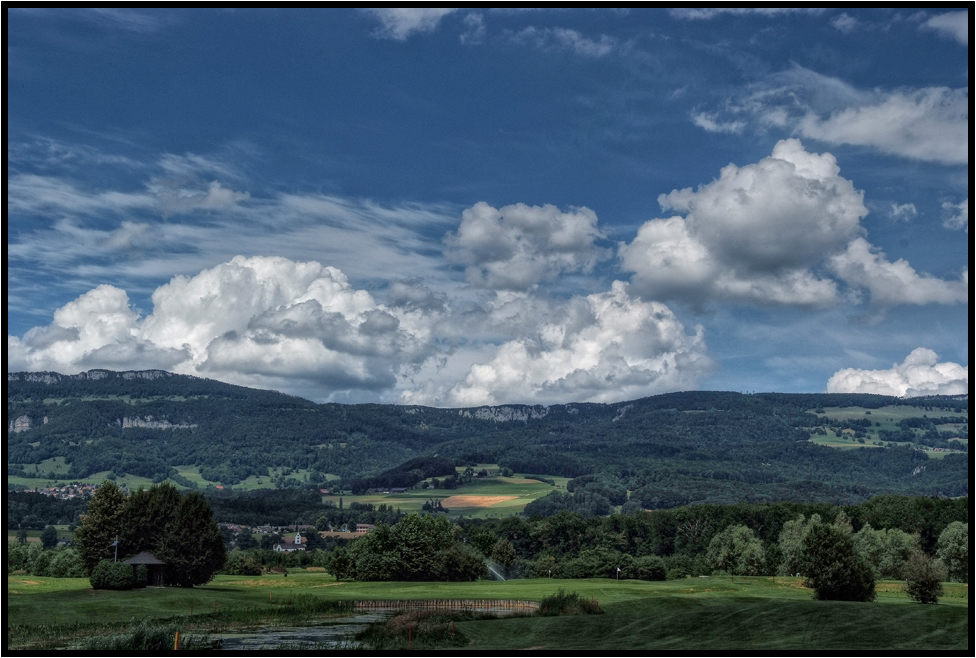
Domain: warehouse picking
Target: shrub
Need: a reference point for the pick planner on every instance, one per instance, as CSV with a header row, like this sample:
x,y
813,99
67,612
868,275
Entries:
x,y
112,575
67,563
677,573
568,603
923,578
240,563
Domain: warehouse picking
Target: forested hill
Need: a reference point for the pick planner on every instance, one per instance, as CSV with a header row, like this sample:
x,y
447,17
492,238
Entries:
x,y
675,448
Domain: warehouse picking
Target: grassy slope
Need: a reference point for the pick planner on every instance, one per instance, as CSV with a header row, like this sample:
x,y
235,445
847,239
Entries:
x,y
686,614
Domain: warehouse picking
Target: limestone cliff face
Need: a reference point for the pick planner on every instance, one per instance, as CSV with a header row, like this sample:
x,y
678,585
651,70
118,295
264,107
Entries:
x,y
502,414
21,424
154,424
54,377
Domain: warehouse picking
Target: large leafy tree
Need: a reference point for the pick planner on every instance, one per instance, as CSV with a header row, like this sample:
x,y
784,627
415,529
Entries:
x,y
834,568
101,526
416,548
953,549
791,542
737,550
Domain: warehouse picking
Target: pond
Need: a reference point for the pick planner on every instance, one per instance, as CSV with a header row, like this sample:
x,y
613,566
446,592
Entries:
x,y
339,632
330,633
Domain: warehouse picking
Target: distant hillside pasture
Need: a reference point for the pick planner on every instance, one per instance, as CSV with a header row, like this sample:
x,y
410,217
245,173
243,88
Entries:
x,y
480,498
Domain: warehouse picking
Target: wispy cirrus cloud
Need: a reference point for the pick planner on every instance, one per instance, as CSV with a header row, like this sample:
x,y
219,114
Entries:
x,y
951,25
559,38
399,24
929,124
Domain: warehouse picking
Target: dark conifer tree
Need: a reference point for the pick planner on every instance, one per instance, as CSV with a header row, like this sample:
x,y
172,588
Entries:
x,y
192,544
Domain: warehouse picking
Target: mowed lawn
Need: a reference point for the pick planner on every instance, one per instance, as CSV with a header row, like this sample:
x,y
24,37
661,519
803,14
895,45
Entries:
x,y
695,613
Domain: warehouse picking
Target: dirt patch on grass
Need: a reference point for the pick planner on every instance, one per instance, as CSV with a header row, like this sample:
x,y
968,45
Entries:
x,y
474,501
25,582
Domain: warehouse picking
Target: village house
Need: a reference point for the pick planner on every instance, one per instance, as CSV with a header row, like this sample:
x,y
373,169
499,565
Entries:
x,y
363,528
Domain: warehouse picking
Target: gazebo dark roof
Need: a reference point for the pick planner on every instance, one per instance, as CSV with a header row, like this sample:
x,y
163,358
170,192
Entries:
x,y
145,557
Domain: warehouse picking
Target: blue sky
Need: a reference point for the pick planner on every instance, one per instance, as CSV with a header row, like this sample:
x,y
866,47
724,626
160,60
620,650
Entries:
x,y
480,207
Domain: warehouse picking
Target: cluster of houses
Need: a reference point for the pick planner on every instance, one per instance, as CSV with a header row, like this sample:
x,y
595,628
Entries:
x,y
73,490
298,541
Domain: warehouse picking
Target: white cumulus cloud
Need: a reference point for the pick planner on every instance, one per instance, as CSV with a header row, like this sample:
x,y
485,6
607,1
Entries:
x,y
890,284
772,233
751,235
920,373
516,247
258,321
603,347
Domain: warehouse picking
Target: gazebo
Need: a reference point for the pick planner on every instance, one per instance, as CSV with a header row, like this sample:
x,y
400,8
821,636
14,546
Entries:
x,y
153,565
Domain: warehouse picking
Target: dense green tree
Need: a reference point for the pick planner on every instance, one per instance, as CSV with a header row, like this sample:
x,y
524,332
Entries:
x,y
148,512
504,553
416,548
736,550
791,543
193,546
339,563
101,526
834,568
885,550
49,537
923,577
953,549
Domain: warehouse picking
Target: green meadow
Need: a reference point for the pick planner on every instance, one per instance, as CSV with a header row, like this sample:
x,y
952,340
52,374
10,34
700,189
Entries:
x,y
714,613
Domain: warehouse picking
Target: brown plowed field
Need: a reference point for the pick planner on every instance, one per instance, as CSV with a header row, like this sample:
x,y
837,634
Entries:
x,y
474,501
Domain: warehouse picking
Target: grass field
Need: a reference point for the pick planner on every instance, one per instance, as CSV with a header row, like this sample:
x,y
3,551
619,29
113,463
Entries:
x,y
695,613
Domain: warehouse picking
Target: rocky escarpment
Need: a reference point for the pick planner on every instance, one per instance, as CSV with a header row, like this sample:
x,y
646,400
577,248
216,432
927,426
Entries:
x,y
94,375
22,424
504,414
153,423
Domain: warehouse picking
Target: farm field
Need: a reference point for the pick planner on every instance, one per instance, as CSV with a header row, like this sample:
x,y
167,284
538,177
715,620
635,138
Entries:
x,y
480,498
883,418
888,416
694,613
